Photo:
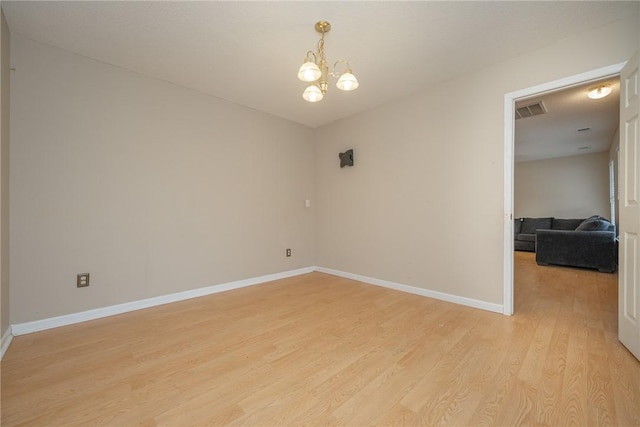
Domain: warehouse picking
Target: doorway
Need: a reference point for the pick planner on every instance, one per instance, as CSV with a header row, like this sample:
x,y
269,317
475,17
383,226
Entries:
x,y
509,137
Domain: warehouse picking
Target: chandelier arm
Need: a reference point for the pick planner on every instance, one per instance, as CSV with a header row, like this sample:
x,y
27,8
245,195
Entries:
x,y
315,59
333,72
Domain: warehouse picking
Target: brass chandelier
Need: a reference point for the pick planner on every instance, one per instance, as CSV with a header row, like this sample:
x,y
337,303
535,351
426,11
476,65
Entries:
x,y
315,70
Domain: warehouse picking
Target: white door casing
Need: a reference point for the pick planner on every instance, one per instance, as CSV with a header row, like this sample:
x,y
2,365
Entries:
x,y
509,121
629,232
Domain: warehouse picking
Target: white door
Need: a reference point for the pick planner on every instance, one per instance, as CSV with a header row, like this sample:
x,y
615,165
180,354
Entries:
x,y
629,181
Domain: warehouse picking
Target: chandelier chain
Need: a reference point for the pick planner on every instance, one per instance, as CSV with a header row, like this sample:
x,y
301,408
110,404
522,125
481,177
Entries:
x,y
321,48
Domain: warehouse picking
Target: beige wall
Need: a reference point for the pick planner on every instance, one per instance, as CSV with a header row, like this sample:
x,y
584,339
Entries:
x,y
423,205
563,187
4,176
151,188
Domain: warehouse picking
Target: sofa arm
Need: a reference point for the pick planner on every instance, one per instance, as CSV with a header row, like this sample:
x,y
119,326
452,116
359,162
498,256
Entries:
x,y
589,249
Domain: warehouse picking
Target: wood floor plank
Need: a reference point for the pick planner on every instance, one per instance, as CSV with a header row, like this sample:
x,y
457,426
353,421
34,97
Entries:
x,y
551,382
533,363
399,416
494,408
322,350
573,408
602,409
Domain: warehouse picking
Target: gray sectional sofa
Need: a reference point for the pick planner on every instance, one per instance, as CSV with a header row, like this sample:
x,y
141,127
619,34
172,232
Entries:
x,y
587,243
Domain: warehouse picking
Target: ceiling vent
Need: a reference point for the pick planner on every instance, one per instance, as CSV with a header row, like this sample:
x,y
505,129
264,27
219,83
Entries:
x,y
530,110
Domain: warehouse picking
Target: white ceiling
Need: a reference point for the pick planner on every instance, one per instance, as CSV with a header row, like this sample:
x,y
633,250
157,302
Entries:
x,y
249,52
555,134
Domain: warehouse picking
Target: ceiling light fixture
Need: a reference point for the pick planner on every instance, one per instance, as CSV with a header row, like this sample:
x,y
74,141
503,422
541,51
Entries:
x,y
315,70
599,92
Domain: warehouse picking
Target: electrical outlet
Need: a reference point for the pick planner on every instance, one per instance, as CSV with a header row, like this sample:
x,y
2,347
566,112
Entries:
x,y
288,252
83,280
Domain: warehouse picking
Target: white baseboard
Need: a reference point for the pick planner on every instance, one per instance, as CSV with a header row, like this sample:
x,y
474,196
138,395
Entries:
x,y
470,302
69,319
6,340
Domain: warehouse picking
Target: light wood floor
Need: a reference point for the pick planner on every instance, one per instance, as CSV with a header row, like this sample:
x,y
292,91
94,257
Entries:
x,y
321,350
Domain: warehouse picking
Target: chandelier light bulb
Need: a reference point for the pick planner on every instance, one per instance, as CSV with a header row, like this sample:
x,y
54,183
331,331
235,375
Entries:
x,y
347,82
312,94
599,92
309,72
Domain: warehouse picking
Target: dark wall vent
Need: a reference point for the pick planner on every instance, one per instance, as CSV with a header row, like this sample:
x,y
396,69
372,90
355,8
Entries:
x,y
530,110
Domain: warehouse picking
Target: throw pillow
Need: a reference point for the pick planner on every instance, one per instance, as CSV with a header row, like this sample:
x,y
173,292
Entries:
x,y
594,225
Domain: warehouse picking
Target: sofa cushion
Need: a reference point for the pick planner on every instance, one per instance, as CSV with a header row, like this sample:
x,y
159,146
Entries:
x,y
526,237
530,225
517,226
565,224
594,225
587,249
519,245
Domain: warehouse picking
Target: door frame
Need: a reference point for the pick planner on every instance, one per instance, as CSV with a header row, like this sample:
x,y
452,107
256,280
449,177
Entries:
x,y
509,134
